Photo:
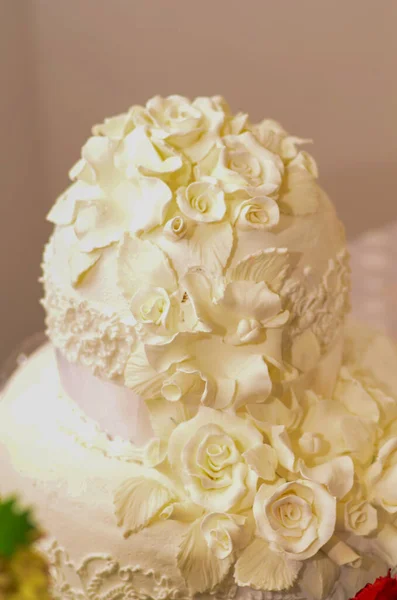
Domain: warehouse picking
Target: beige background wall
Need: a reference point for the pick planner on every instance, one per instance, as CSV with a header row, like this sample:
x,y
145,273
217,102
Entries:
x,y
324,69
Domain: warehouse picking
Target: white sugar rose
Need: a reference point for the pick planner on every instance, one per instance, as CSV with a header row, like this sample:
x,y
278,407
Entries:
x,y
177,118
194,127
382,477
224,533
202,201
257,213
207,451
176,228
359,517
241,163
295,518
150,287
154,306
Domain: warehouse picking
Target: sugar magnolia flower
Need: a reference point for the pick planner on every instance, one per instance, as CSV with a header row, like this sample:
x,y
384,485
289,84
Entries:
x,y
240,162
296,518
231,376
241,311
208,454
238,328
381,477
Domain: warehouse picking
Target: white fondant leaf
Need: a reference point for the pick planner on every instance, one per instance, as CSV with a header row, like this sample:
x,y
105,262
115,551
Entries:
x,y
319,576
299,193
262,569
137,501
271,266
201,569
210,246
142,263
337,474
341,553
141,377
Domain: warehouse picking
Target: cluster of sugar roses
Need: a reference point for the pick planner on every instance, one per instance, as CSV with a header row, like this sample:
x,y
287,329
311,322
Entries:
x,y
175,186
179,169
285,495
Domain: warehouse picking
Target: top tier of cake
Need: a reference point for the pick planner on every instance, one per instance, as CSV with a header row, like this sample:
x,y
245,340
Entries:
x,y
195,256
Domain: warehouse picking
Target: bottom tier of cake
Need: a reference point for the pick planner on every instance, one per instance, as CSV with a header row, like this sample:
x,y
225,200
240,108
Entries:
x,y
60,461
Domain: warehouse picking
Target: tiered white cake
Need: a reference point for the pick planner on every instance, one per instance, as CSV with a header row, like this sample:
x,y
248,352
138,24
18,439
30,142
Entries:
x,y
203,422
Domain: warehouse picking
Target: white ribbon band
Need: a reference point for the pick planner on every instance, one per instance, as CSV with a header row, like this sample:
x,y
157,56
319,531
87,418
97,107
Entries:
x,y
117,410
120,412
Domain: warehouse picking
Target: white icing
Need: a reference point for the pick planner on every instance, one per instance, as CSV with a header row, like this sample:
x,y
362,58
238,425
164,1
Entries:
x,y
178,186
65,447
197,266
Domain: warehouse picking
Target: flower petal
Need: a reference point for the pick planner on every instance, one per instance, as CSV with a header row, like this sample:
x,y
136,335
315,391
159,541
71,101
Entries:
x,y
137,501
262,569
263,460
80,263
141,377
201,569
142,263
336,474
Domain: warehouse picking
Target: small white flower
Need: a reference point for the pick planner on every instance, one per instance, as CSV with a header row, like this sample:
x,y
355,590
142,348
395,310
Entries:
x,y
175,228
223,533
359,516
202,201
295,518
257,213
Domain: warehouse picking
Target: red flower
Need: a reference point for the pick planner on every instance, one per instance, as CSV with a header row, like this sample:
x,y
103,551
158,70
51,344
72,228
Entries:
x,y
384,588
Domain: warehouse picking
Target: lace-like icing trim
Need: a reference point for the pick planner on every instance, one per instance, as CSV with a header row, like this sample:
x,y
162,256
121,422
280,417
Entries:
x,y
87,335
321,307
100,577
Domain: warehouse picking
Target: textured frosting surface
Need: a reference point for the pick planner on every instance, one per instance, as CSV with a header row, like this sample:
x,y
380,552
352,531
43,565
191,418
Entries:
x,y
84,487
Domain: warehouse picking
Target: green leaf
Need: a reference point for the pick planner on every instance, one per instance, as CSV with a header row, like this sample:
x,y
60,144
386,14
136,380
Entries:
x,y
17,527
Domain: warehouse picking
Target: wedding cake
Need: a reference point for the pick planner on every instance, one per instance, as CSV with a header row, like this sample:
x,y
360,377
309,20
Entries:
x,y
203,422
